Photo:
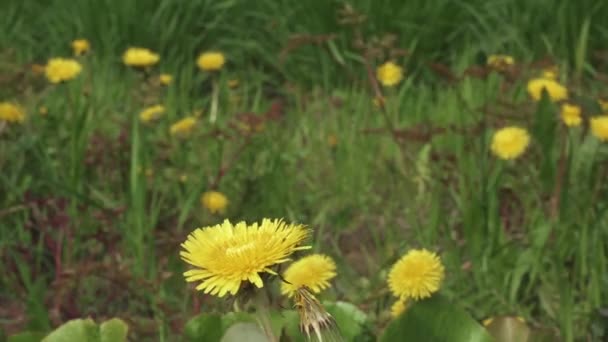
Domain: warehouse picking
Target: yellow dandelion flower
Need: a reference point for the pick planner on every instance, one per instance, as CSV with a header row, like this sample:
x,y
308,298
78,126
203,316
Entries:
x,y
487,321
151,113
214,201
80,46
226,255
571,115
556,91
211,61
61,69
398,308
11,113
417,275
140,57
184,127
313,271
510,142
389,74
599,127
500,62
165,79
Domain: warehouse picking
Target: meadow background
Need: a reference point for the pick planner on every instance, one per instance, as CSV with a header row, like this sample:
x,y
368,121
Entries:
x,y
94,204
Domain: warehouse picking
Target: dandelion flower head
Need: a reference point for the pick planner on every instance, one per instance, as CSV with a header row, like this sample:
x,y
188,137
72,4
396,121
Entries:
x,y
11,113
599,127
510,142
389,74
417,275
140,57
571,115
214,201
183,127
313,271
226,255
165,79
151,113
398,308
556,91
62,69
80,46
211,61
500,62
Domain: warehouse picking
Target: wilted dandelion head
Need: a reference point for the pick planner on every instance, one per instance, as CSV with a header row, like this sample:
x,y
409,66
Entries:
x,y
599,127
500,62
314,319
417,275
62,69
214,201
226,255
398,308
165,79
571,115
556,91
211,61
510,142
313,271
140,57
11,113
183,128
80,46
389,74
151,113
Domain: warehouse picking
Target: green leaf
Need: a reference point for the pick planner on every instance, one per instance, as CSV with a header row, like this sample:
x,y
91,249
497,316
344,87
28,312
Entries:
x,y
291,321
244,332
114,330
78,330
435,320
509,329
348,317
204,327
26,336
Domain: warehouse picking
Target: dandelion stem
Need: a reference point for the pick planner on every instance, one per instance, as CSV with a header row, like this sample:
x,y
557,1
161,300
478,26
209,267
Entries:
x,y
262,307
214,101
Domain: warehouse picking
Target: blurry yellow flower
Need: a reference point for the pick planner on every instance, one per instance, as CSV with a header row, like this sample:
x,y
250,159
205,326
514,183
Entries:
x,y
313,271
11,113
183,127
80,46
214,201
62,69
500,62
487,321
210,61
389,74
510,142
398,308
555,90
599,127
571,115
151,113
43,110
417,275
226,255
603,104
140,57
332,140
234,83
165,79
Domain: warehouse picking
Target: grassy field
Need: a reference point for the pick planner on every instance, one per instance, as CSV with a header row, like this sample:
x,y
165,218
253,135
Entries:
x,y
94,203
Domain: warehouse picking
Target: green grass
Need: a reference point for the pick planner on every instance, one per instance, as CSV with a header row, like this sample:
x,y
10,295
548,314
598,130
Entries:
x,y
76,196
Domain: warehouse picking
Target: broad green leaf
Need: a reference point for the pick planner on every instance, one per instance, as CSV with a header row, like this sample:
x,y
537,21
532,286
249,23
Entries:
x,y
27,336
114,330
435,320
509,329
204,327
348,317
244,332
78,330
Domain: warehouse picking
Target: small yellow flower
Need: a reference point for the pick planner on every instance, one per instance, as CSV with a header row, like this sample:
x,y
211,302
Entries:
x,y
417,275
211,61
151,113
599,127
398,308
226,255
214,201
389,74
43,110
500,62
510,142
487,321
140,57
11,113
61,69
183,127
571,115
556,91
80,46
165,79
313,271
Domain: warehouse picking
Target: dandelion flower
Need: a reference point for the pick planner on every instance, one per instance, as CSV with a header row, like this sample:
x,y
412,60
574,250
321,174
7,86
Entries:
x,y
389,74
80,46
599,127
500,62
140,57
61,69
313,271
214,201
398,308
211,61
226,255
571,115
510,142
151,113
183,127
487,321
11,113
165,79
556,91
417,275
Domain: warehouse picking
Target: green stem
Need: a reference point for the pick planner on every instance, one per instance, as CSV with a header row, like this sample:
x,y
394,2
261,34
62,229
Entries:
x,y
262,309
214,101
